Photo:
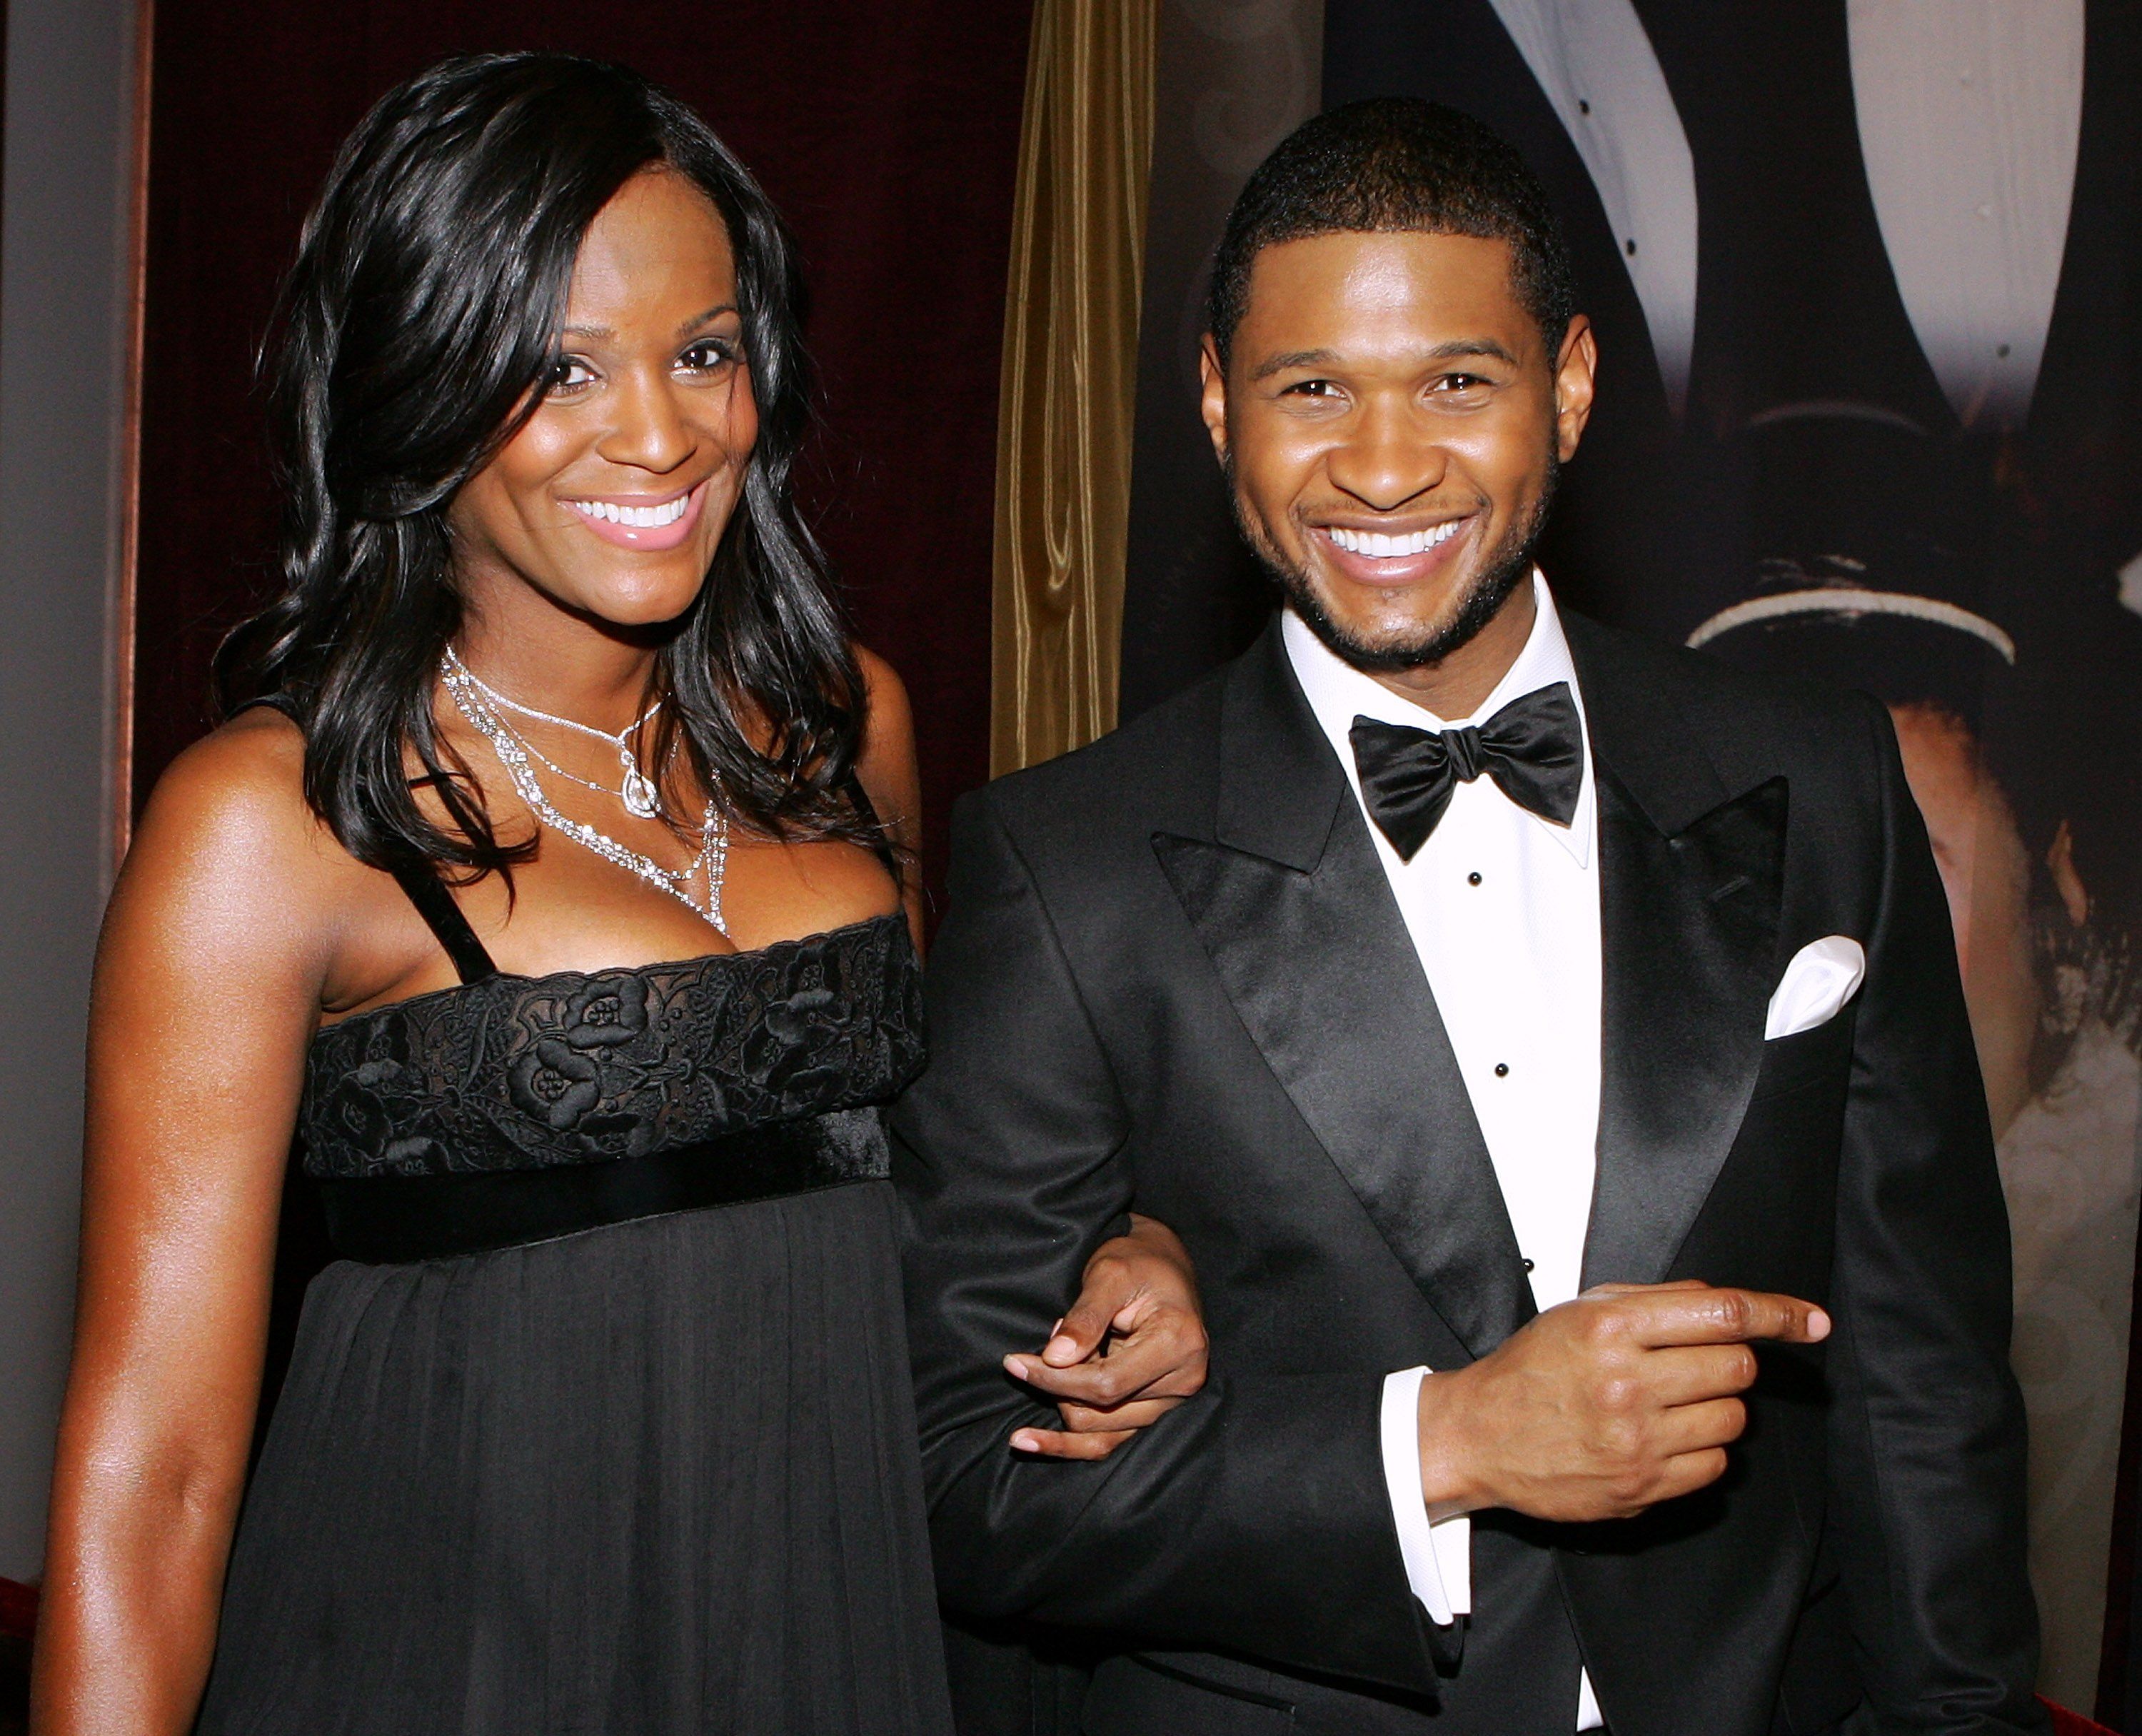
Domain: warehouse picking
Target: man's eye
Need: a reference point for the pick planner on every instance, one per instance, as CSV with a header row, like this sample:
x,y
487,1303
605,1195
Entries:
x,y
707,354
568,374
1312,388
1459,383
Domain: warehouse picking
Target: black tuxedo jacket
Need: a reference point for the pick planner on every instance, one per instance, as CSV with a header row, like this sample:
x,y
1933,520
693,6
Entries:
x,y
1174,976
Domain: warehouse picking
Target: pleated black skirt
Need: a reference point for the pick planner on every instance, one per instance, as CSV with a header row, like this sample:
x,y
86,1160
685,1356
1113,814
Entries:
x,y
656,1478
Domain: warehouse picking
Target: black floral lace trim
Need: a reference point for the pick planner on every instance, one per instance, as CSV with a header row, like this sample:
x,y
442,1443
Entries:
x,y
516,1072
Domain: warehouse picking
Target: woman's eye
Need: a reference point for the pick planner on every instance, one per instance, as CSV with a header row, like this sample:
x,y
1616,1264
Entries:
x,y
706,354
568,374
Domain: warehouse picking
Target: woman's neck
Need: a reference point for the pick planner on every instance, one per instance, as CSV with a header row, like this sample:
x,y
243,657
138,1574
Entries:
x,y
546,658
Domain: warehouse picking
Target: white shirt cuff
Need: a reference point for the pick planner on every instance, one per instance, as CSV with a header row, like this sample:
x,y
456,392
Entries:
x,y
1438,1554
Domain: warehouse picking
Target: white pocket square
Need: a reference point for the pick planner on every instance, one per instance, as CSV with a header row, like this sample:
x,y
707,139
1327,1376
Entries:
x,y
1823,976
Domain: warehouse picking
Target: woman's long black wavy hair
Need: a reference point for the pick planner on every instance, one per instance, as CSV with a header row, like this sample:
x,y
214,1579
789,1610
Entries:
x,y
411,340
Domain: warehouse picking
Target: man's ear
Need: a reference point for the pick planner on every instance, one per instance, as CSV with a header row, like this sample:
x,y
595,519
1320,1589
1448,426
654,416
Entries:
x,y
1212,396
1574,371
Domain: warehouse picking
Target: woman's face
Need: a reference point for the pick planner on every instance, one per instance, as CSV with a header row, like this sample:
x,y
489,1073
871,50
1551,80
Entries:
x,y
610,501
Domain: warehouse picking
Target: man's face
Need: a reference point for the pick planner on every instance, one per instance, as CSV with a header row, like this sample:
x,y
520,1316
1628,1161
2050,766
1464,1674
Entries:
x,y
1391,421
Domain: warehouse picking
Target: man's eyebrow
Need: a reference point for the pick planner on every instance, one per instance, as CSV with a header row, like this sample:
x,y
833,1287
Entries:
x,y
604,334
1293,358
1456,349
1459,348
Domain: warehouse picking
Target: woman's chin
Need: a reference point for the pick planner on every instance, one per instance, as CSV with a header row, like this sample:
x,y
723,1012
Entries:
x,y
639,600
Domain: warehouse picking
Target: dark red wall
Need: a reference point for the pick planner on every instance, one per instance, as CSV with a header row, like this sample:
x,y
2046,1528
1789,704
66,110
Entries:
x,y
888,133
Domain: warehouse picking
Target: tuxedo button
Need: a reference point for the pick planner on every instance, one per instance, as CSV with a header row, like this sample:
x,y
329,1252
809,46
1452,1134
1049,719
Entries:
x,y
1472,879
1502,1070
1529,1265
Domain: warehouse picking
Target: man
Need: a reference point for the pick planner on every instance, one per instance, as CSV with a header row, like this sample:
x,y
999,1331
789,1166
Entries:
x,y
1518,1023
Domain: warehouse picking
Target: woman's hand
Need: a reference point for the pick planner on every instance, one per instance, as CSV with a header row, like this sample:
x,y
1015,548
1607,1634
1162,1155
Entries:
x,y
1131,1349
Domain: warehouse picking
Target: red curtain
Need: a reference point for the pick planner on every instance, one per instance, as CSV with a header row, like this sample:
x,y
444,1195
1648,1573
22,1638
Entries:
x,y
888,135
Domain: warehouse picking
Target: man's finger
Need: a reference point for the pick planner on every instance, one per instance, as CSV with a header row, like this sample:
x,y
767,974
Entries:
x,y
1689,1472
1052,1443
1622,1289
1690,1374
1715,1316
1717,1423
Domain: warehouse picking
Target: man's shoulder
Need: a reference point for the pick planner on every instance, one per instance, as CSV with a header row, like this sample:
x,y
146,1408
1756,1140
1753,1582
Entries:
x,y
1157,771
1741,717
1709,684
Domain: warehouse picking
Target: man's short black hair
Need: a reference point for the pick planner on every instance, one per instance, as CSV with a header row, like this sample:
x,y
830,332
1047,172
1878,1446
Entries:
x,y
1395,163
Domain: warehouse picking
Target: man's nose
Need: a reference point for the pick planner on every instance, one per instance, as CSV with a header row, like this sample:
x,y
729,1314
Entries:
x,y
1387,459
648,431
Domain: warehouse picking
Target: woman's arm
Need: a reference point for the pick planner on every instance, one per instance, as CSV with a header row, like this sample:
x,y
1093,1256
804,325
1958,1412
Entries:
x,y
207,990
890,777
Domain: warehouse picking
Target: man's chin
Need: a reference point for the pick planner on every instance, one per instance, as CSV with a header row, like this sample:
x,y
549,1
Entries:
x,y
1389,646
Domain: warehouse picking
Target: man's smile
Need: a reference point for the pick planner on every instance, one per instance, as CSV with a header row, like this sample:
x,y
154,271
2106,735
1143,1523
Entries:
x,y
1397,553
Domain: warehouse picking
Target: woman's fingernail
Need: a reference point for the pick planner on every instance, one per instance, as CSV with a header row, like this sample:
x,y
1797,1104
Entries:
x,y
1025,1441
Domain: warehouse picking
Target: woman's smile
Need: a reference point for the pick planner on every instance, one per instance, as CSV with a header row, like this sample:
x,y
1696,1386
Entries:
x,y
655,523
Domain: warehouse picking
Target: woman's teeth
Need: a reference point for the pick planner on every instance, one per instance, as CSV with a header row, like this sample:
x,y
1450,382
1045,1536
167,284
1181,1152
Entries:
x,y
645,518
1376,542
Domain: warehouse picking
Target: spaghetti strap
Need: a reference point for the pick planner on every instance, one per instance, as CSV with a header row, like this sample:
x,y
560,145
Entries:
x,y
443,916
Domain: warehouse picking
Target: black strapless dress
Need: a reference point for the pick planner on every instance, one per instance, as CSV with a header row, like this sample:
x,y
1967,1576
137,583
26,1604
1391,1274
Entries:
x,y
605,1424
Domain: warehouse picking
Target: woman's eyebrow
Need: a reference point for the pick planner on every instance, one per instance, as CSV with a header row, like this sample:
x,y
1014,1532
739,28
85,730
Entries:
x,y
711,314
604,334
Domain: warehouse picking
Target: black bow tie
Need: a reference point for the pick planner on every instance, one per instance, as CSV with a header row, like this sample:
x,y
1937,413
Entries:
x,y
1533,748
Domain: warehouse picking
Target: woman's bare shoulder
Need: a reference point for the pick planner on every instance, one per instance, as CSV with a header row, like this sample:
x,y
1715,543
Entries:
x,y
886,695
889,724
887,765
227,841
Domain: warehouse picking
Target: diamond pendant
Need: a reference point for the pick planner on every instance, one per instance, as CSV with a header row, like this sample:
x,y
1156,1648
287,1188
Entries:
x,y
638,793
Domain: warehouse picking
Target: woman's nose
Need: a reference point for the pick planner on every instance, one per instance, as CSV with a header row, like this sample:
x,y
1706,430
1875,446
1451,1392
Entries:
x,y
649,431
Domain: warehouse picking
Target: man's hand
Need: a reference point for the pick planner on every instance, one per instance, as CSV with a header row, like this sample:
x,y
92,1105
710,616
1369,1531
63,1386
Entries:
x,y
1132,1348
1605,1406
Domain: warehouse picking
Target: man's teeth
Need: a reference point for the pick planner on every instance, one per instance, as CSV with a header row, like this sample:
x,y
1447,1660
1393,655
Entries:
x,y
644,519
1376,542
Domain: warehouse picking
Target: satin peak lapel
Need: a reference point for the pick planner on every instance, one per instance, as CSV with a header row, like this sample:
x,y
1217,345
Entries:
x,y
1689,934
1291,906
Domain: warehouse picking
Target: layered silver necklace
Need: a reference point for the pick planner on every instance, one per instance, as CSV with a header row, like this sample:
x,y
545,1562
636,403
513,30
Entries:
x,y
481,706
640,793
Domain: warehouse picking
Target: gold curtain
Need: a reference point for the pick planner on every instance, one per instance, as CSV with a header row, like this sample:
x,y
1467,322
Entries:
x,y
1070,368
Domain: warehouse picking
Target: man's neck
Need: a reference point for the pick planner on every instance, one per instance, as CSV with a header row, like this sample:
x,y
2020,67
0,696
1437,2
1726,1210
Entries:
x,y
1459,684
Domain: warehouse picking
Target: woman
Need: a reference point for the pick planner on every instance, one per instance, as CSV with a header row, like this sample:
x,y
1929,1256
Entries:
x,y
545,878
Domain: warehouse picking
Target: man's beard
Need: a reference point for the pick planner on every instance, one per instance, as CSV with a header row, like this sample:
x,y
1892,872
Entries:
x,y
1507,565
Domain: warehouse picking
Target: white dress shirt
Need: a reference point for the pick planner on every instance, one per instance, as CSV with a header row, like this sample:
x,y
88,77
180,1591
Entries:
x,y
1593,63
1502,908
1969,117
